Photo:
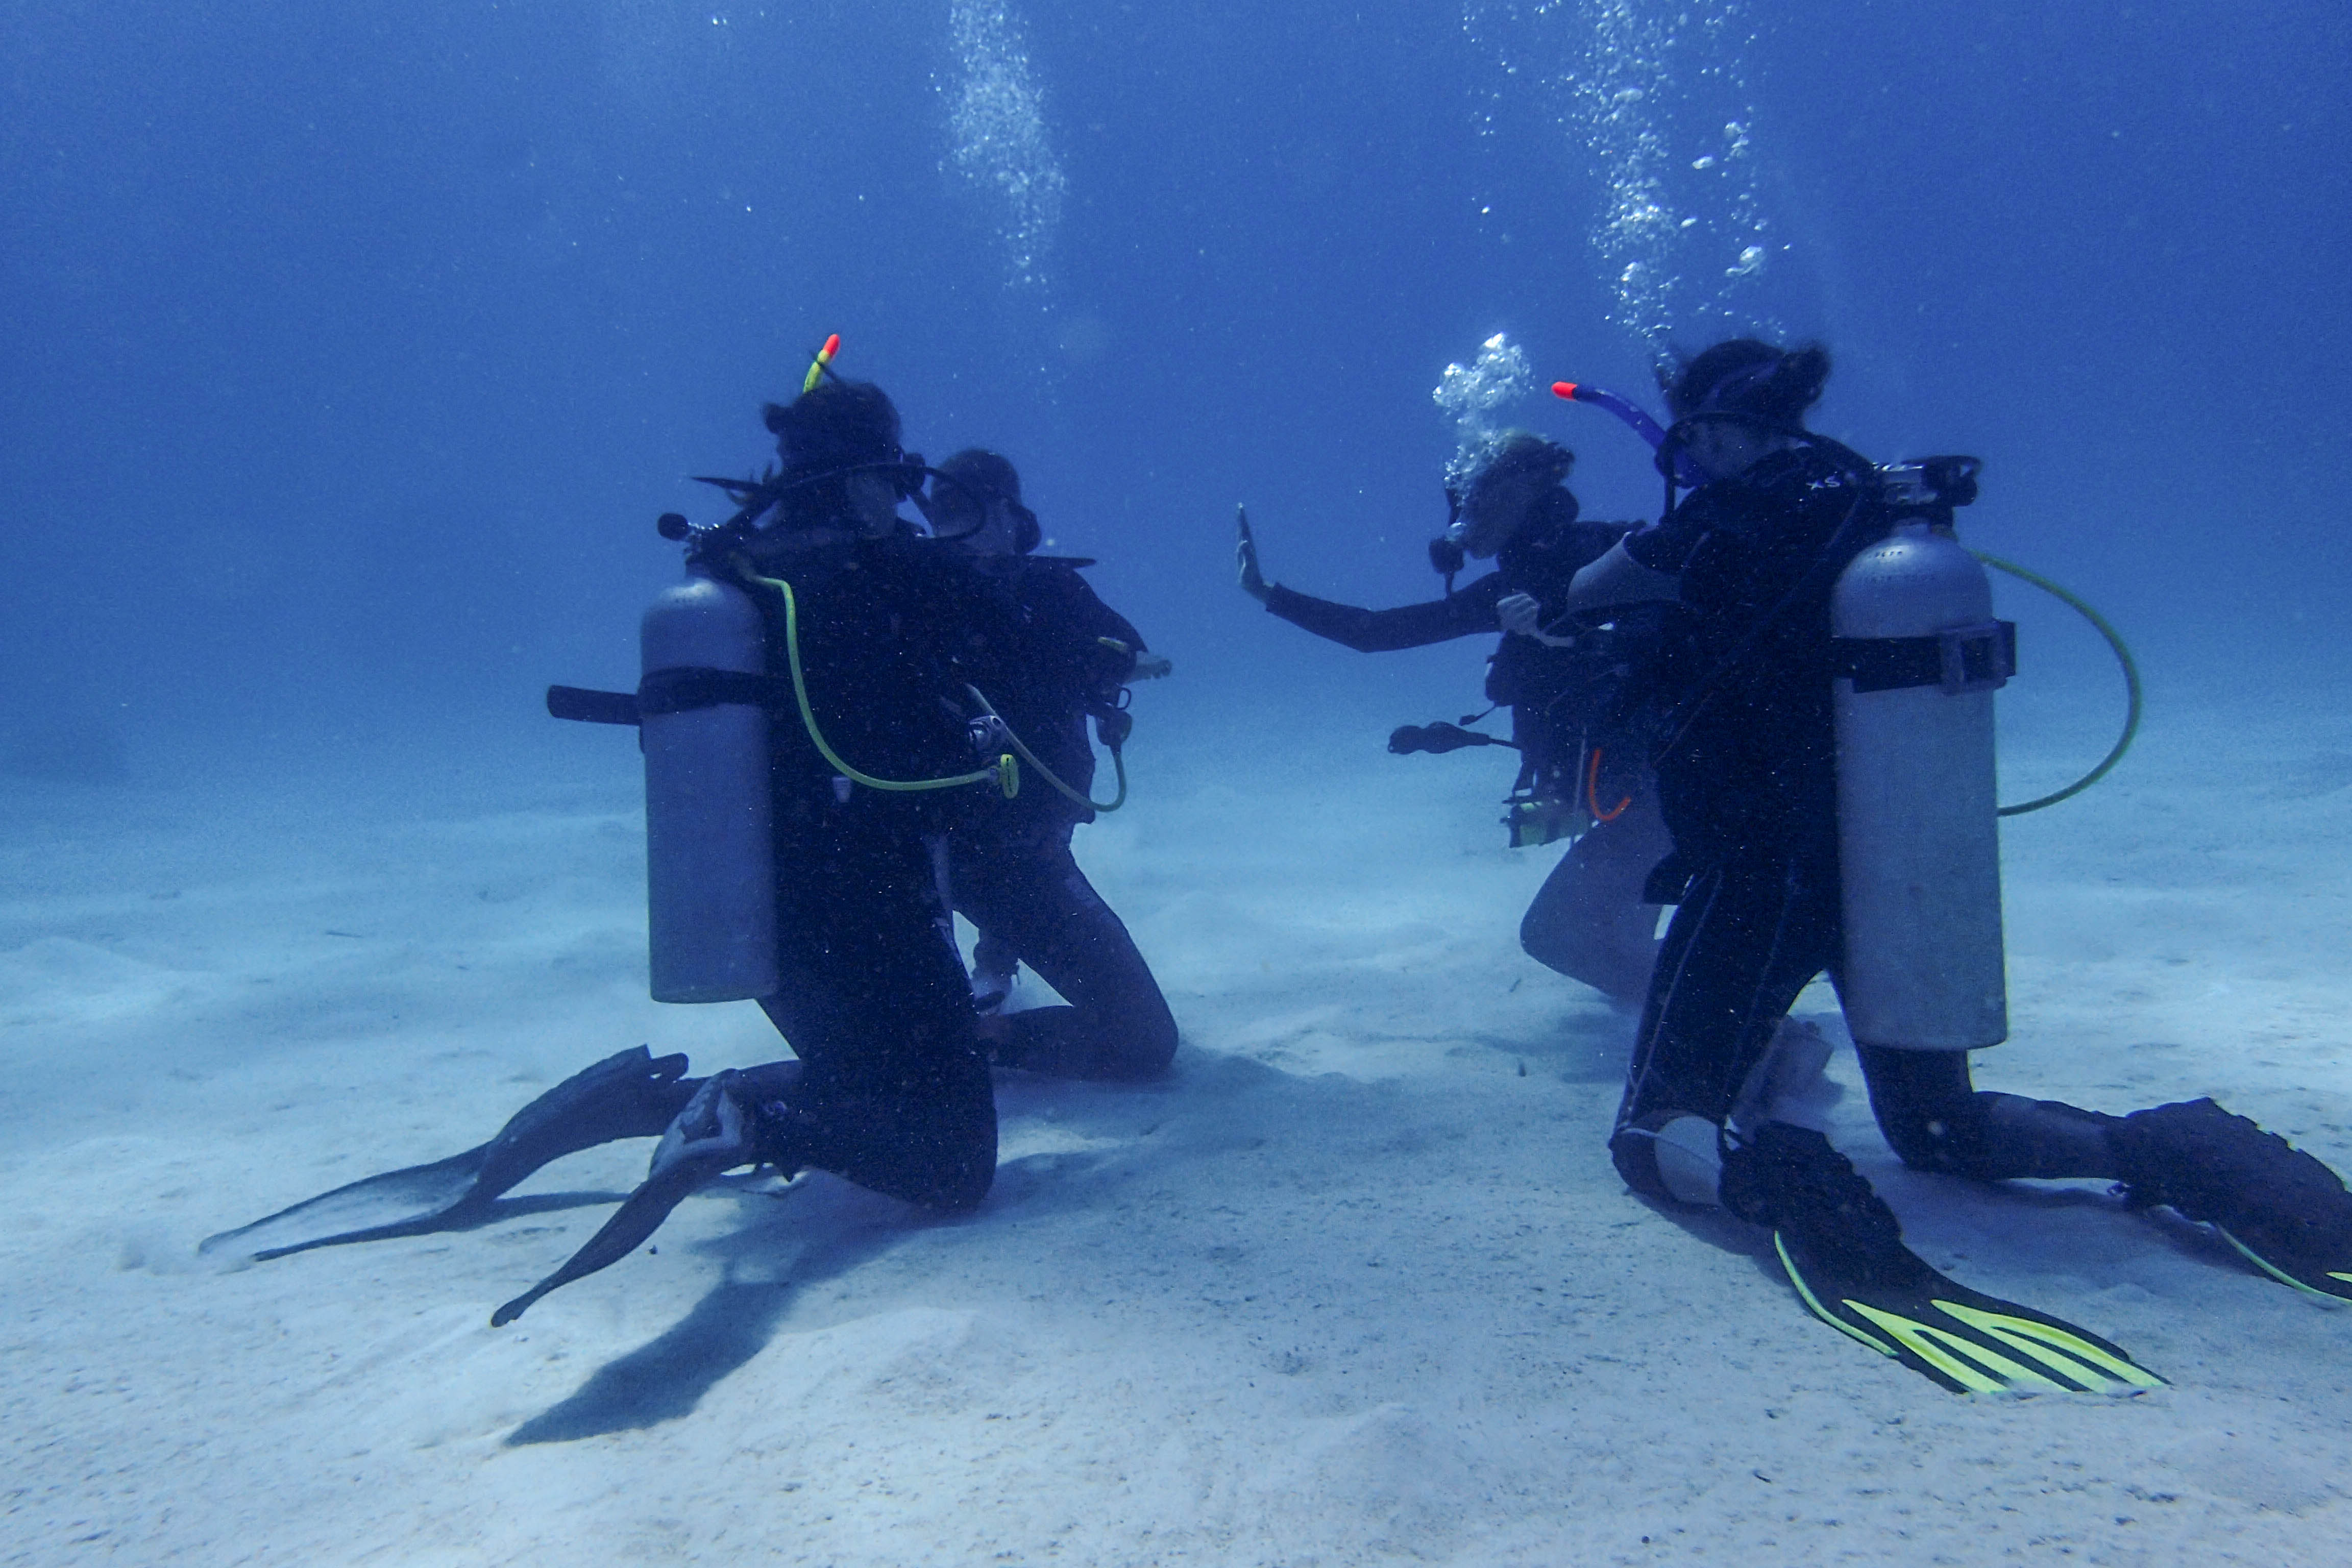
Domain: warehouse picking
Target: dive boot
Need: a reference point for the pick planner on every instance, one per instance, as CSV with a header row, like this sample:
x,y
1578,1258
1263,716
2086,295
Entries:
x,y
1843,1249
630,1094
2287,1213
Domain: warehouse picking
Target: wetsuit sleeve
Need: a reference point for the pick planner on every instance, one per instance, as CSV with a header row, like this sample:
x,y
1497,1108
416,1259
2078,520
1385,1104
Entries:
x,y
1461,615
1667,544
1075,630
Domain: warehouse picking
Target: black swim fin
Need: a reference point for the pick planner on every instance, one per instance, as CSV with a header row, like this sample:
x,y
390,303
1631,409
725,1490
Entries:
x,y
1843,1249
2285,1211
631,1094
631,1225
719,1130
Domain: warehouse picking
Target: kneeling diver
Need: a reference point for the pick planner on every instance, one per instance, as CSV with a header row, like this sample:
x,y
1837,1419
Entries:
x,y
1009,870
1827,774
1590,921
873,638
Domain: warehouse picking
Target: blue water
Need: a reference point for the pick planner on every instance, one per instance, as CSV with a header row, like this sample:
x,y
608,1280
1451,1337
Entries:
x,y
349,353
351,350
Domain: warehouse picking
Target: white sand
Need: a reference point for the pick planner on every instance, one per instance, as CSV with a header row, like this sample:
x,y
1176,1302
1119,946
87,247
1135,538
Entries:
x,y
1357,1284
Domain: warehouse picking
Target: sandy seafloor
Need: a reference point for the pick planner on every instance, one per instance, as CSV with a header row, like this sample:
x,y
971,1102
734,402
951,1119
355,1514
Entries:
x,y
1357,1285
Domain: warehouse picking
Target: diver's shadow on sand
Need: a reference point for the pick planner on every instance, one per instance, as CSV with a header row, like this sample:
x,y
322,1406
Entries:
x,y
665,1379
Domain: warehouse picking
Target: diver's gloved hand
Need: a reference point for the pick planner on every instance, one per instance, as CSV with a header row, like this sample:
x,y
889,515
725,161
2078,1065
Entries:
x,y
713,1133
1522,616
1151,667
1245,559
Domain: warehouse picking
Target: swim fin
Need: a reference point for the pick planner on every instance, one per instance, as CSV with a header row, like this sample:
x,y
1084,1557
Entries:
x,y
1843,1249
718,1130
2283,1210
631,1094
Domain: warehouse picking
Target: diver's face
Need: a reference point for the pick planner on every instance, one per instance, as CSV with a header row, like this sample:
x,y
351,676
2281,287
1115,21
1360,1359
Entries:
x,y
1496,510
996,534
1726,448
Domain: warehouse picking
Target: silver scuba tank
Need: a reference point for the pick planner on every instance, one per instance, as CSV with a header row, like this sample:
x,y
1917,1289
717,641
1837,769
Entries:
x,y
1918,839
710,891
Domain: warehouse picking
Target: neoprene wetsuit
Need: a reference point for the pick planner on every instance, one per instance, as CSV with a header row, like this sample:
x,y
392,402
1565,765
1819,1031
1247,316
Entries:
x,y
1747,775
894,1093
1011,870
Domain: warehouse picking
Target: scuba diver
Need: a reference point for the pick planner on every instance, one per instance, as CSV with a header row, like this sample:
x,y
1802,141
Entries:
x,y
858,636
1590,921
1825,766
1009,870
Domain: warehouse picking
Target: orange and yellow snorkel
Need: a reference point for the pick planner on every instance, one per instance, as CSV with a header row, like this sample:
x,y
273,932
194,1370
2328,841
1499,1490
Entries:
x,y
821,363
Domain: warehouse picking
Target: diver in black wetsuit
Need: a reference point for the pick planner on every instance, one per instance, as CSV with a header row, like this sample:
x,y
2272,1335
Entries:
x,y
1590,921
1746,773
891,1088
1010,867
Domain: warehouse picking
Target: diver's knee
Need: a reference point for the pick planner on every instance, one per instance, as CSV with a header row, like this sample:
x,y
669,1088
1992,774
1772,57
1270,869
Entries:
x,y
1145,1056
1671,1155
1951,1142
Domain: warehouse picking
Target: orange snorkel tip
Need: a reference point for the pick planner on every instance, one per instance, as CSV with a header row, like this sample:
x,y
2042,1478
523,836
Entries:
x,y
818,366
1564,389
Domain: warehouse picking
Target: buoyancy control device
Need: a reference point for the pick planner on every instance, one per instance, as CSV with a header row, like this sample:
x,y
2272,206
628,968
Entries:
x,y
1919,657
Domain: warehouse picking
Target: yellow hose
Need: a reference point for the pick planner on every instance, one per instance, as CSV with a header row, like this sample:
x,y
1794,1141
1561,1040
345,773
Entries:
x,y
1006,775
2123,658
1118,760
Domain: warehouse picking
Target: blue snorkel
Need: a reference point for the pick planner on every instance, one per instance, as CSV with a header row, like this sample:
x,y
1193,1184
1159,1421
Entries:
x,y
1686,473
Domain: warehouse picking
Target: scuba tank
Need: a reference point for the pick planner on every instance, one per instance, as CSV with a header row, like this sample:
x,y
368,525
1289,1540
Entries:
x,y
709,861
1919,658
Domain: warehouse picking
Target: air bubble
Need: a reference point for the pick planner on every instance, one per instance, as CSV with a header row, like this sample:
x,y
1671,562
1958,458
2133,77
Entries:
x,y
996,119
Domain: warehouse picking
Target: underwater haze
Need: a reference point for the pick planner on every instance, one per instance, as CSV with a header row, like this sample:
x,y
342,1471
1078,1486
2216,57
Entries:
x,y
350,351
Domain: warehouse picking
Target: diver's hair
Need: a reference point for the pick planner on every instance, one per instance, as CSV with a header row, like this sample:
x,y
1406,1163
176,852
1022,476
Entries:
x,y
1511,453
1746,375
834,425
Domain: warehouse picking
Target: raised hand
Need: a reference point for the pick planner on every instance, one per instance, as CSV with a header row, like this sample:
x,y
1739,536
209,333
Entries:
x,y
1246,560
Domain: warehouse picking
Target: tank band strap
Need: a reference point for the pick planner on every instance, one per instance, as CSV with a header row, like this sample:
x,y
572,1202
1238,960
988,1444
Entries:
x,y
675,691
693,686
1980,658
583,706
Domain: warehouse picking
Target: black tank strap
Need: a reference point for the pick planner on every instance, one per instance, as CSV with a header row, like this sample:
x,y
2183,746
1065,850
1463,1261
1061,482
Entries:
x,y
676,691
585,707
1979,657
688,687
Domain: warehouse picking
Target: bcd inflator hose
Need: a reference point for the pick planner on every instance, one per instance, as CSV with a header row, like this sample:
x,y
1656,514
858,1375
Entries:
x,y
1117,761
2123,658
1002,772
